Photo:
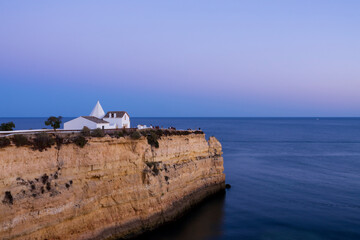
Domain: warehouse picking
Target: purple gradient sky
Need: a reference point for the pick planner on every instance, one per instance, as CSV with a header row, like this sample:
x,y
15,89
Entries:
x,y
184,58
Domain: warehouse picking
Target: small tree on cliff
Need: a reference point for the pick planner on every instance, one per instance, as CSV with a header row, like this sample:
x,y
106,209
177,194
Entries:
x,y
54,122
86,131
7,126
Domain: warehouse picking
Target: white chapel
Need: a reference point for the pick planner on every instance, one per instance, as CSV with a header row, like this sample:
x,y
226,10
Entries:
x,y
98,119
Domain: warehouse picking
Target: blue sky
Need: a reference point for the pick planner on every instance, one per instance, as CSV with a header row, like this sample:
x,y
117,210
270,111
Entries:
x,y
180,58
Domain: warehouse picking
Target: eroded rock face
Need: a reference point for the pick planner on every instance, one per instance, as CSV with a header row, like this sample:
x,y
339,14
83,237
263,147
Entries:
x,y
110,188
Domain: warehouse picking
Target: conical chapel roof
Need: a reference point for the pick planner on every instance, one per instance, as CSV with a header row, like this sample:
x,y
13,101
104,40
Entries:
x,y
97,111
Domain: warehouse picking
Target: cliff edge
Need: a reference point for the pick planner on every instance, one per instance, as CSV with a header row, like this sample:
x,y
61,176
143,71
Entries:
x,y
112,187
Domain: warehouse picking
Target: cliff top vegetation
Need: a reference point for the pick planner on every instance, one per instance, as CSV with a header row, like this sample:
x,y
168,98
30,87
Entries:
x,y
44,140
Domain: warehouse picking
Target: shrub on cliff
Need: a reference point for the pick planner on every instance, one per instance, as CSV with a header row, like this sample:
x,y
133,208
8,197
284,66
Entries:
x,y
59,141
145,132
159,132
97,133
119,134
7,126
85,131
167,133
152,139
4,142
20,140
135,135
42,141
80,141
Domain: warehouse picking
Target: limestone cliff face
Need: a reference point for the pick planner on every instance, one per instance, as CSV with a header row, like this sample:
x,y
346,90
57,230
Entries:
x,y
110,188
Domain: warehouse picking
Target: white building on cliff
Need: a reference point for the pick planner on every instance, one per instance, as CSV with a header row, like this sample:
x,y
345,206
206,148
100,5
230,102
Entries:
x,y
98,119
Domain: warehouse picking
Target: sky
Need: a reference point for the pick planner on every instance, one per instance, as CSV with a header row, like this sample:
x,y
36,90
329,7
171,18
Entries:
x,y
255,58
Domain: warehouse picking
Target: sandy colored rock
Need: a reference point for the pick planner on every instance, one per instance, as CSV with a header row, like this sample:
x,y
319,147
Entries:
x,y
110,188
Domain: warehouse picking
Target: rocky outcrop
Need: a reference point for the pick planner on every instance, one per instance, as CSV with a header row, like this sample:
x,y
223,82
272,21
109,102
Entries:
x,y
110,188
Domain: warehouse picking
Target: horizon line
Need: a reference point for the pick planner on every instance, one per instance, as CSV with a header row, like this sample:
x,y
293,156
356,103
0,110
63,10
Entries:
x,y
215,117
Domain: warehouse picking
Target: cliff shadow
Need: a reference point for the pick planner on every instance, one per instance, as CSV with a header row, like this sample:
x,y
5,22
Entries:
x,y
203,221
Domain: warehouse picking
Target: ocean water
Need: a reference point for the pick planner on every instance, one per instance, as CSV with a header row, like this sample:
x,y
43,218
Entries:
x,y
292,178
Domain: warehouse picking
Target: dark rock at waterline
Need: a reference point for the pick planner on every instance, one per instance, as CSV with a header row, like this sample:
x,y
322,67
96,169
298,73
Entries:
x,y
227,186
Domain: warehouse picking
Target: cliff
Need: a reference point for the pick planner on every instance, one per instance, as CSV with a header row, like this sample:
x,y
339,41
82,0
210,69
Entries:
x,y
112,187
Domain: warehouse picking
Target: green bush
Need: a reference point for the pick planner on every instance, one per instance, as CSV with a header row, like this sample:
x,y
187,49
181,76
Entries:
x,y
20,140
98,133
80,141
4,142
119,134
7,126
145,132
135,135
152,139
166,133
85,131
42,141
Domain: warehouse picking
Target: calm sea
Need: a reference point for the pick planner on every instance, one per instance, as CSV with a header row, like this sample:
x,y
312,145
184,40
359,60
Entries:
x,y
292,178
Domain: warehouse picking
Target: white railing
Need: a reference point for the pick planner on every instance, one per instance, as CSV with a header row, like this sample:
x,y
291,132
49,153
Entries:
x,y
32,131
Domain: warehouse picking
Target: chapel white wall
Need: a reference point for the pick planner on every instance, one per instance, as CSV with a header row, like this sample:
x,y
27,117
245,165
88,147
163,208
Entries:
x,y
120,122
79,123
